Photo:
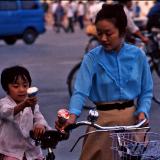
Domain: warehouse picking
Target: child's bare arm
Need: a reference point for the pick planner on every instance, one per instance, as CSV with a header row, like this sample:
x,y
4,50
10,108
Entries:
x,y
28,102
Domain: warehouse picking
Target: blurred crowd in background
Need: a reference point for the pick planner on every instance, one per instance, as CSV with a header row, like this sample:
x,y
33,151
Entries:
x,y
67,15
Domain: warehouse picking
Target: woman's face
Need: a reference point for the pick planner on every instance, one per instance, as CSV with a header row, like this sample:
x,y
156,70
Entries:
x,y
108,35
18,90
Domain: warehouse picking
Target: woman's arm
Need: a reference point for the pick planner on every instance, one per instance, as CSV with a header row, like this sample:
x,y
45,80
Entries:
x,y
145,97
82,85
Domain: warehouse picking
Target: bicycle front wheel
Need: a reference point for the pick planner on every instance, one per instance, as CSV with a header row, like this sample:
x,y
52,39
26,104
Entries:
x,y
71,78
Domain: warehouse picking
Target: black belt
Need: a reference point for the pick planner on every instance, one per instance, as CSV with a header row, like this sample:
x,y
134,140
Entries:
x,y
119,106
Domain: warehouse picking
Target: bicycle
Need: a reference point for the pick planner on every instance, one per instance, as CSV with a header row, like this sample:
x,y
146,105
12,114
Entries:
x,y
118,134
152,51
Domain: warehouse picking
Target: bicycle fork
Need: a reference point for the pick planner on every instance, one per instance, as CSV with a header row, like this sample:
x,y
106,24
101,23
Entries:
x,y
50,155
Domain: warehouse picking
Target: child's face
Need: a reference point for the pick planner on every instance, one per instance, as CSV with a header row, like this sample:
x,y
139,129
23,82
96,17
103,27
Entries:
x,y
18,90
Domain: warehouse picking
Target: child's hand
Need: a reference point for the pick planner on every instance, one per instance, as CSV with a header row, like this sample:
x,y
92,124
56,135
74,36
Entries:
x,y
30,101
38,130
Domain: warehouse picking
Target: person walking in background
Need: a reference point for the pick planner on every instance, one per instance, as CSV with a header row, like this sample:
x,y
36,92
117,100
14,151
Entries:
x,y
45,6
74,7
18,115
58,14
53,9
80,14
91,12
92,9
115,76
70,17
137,9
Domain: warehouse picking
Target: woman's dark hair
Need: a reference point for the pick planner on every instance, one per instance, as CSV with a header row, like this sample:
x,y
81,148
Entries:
x,y
114,13
11,74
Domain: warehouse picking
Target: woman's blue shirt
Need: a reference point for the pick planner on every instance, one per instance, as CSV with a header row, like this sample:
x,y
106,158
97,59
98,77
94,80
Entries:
x,y
110,76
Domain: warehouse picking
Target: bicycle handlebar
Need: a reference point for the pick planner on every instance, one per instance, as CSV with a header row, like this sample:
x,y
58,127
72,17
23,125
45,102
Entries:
x,y
111,128
105,129
51,137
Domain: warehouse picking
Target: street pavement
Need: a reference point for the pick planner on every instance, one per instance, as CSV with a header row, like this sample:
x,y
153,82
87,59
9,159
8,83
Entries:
x,y
49,61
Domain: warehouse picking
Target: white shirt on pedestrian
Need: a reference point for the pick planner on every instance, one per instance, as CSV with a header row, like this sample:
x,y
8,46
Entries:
x,y
130,23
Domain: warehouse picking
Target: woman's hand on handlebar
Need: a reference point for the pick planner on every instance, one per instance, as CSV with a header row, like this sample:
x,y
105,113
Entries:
x,y
62,126
141,117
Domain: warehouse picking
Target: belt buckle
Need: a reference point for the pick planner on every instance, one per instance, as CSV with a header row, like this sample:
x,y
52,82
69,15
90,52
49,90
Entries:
x,y
120,105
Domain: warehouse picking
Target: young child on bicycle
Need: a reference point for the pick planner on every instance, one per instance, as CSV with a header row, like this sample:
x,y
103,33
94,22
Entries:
x,y
18,115
116,77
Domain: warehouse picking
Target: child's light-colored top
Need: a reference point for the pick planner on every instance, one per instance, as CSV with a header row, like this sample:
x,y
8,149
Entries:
x,y
14,130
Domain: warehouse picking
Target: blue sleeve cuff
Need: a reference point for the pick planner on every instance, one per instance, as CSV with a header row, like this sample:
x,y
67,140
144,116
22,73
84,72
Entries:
x,y
142,110
75,111
145,108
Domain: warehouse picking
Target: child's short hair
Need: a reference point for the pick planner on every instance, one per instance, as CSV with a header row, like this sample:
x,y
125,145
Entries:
x,y
11,74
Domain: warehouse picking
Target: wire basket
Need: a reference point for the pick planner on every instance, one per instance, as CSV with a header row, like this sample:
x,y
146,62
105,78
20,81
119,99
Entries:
x,y
136,145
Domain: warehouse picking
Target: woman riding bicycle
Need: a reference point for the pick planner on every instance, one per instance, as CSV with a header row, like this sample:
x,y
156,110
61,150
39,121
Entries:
x,y
116,77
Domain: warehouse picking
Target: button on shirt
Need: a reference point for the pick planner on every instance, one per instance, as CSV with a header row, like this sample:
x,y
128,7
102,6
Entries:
x,y
14,130
110,76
